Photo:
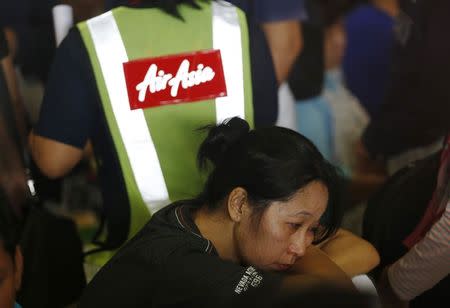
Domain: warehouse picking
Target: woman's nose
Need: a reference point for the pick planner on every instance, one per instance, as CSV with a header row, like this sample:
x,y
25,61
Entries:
x,y
298,245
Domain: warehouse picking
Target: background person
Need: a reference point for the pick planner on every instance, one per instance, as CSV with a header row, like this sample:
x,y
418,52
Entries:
x,y
367,63
76,109
413,118
414,254
11,260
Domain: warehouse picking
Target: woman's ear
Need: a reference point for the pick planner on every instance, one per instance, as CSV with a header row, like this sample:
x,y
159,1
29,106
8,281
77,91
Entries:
x,y
237,203
18,268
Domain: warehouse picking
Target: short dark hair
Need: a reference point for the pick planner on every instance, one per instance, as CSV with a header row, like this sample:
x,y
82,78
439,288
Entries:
x,y
271,164
168,6
9,227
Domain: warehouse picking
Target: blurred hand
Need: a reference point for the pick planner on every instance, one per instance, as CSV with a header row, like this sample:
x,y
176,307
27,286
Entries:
x,y
364,163
387,295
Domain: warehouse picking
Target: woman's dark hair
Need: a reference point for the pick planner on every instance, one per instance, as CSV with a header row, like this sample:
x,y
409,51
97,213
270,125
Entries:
x,y
271,164
9,235
168,6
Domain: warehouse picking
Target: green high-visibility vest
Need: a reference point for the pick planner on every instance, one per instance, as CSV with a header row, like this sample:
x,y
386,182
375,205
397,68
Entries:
x,y
157,147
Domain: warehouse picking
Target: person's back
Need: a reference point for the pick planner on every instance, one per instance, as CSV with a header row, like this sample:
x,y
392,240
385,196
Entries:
x,y
368,57
140,146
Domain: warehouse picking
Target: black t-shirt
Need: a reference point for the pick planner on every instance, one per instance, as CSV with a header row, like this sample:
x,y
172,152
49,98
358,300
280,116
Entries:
x,y
169,264
3,45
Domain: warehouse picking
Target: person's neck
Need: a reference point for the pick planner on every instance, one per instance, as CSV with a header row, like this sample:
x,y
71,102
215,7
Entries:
x,y
214,226
390,7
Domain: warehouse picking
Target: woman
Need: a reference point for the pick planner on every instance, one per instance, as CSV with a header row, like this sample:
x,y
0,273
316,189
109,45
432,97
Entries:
x,y
248,234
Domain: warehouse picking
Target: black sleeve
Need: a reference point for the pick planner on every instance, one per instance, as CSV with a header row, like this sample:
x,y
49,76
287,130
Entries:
x,y
417,107
70,104
3,45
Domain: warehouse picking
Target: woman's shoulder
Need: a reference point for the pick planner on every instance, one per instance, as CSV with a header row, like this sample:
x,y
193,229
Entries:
x,y
171,231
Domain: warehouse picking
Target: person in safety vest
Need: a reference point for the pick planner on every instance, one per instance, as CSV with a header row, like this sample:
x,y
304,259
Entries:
x,y
138,82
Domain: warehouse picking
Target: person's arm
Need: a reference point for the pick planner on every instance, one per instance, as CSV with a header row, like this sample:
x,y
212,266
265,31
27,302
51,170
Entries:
x,y
54,159
425,264
285,43
68,111
7,69
12,174
351,253
388,298
316,267
281,23
13,44
16,99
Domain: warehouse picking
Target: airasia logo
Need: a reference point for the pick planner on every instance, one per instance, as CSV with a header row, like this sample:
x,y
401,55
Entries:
x,y
156,81
174,79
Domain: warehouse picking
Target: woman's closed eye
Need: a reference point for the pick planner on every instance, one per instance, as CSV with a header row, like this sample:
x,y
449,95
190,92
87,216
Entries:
x,y
298,225
314,230
295,226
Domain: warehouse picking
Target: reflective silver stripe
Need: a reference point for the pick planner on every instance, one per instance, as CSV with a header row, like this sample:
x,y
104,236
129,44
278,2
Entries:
x,y
132,125
227,38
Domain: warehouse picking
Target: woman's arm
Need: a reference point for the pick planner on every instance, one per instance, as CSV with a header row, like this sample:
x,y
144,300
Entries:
x,y
316,268
351,253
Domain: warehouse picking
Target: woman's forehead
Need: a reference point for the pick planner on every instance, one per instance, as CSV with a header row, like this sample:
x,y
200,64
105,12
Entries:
x,y
308,202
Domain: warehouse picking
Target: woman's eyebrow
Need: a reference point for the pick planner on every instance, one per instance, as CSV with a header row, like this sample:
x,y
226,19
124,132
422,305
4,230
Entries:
x,y
303,212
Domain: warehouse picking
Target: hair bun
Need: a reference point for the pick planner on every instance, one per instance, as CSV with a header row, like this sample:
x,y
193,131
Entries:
x,y
219,140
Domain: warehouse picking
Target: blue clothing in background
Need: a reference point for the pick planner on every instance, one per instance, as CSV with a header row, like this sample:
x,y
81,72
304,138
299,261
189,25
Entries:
x,y
333,121
368,57
17,306
315,122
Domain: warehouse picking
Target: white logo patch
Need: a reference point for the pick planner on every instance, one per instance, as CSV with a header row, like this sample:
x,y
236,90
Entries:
x,y
157,80
250,278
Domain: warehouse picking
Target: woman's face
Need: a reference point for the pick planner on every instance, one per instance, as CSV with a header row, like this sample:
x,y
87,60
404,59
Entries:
x,y
285,230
